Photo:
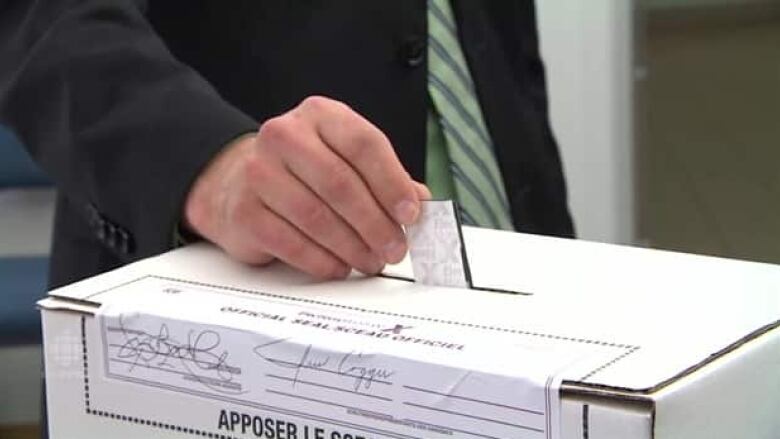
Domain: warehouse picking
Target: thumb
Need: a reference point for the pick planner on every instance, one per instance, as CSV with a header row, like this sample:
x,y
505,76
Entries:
x,y
423,193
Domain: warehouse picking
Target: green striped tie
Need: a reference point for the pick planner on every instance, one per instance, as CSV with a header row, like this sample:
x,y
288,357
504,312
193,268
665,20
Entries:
x,y
476,176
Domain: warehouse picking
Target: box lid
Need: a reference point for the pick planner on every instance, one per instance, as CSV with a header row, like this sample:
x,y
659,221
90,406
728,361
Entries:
x,y
668,313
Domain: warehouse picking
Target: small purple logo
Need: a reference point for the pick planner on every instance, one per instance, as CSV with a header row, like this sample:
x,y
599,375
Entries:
x,y
397,329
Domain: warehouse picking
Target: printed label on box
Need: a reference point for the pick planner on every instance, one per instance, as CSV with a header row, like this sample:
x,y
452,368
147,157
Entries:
x,y
306,369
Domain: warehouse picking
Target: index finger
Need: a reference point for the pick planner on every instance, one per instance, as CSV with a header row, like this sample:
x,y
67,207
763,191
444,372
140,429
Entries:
x,y
369,152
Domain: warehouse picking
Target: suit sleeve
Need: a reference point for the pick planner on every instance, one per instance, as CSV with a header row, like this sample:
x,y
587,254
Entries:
x,y
121,126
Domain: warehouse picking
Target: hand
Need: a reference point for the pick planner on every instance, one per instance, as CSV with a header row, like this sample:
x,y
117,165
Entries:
x,y
318,187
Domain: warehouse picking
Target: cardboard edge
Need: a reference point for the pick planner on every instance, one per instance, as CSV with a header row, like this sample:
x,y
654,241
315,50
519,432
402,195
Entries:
x,y
645,395
754,335
735,396
68,304
598,393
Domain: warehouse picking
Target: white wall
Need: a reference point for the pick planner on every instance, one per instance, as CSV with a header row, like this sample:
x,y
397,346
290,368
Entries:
x,y
587,46
21,394
662,4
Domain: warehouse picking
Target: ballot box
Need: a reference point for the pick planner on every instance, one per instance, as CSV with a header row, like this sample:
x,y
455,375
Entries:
x,y
560,339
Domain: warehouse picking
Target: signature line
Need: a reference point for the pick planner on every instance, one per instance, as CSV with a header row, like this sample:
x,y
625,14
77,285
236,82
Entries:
x,y
299,381
216,366
146,366
524,427
520,409
320,369
444,427
276,392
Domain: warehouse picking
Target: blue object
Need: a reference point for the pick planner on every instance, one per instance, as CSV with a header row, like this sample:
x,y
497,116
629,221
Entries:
x,y
16,166
23,280
22,283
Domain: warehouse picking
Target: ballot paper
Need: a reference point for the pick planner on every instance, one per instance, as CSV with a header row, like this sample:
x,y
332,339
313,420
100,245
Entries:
x,y
436,247
314,367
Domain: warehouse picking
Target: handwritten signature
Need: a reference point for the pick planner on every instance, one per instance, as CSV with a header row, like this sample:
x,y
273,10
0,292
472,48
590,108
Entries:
x,y
200,355
355,365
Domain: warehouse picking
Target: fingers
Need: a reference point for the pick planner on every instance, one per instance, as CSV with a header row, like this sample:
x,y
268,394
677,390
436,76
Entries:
x,y
318,187
423,193
336,183
264,233
368,151
290,199
341,188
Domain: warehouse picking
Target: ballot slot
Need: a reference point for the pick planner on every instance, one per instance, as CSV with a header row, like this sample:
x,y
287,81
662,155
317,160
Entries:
x,y
473,287
437,250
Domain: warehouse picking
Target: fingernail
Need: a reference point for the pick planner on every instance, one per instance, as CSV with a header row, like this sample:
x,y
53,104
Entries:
x,y
376,265
427,195
406,212
423,191
395,252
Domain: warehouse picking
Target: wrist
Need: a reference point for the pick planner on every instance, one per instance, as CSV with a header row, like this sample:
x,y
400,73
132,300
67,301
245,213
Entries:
x,y
203,200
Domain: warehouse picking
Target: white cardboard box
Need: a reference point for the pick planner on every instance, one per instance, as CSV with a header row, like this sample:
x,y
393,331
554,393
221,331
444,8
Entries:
x,y
655,345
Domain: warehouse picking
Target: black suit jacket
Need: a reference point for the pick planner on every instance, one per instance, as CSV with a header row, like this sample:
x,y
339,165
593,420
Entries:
x,y
124,102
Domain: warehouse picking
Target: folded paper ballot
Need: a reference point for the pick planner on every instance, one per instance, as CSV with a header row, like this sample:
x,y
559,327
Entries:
x,y
610,342
436,248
